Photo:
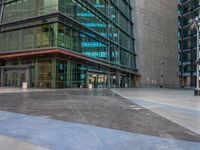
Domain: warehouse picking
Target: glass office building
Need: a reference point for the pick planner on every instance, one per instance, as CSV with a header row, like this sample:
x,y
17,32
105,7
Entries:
x,y
187,9
67,43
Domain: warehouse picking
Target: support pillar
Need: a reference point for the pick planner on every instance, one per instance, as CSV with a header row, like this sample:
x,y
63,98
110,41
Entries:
x,y
53,73
36,74
130,81
27,77
119,79
108,79
2,77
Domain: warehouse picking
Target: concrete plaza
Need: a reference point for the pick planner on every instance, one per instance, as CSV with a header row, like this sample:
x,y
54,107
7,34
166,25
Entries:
x,y
177,105
81,119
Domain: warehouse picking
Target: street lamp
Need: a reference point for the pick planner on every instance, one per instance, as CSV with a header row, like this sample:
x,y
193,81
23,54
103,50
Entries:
x,y
195,24
161,73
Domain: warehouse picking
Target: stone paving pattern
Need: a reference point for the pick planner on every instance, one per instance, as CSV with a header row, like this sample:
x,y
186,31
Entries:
x,y
100,108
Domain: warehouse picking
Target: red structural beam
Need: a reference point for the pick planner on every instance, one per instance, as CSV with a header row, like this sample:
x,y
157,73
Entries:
x,y
50,51
57,51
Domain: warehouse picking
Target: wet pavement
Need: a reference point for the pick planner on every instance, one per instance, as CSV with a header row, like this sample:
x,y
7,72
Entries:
x,y
62,135
100,109
178,105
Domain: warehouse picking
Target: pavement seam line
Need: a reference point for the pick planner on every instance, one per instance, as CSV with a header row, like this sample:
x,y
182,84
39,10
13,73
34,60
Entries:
x,y
74,105
163,104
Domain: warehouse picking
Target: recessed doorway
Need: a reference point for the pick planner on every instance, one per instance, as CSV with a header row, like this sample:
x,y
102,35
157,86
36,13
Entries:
x,y
14,76
98,80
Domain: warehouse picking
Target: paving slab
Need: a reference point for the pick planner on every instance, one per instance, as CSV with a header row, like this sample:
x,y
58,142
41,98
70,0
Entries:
x,y
101,108
177,105
8,143
62,135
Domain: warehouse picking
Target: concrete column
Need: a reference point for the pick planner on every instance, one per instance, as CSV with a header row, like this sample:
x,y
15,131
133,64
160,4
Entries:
x,y
87,79
53,73
69,79
36,73
27,76
119,79
129,80
108,79
2,77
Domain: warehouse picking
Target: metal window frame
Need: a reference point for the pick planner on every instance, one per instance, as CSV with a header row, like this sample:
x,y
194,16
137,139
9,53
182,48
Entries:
x,y
2,9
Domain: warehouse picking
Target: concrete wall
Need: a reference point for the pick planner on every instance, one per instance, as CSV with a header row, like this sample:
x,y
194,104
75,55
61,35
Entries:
x,y
156,40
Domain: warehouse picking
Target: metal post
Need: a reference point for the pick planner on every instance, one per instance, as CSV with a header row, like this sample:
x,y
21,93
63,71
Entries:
x,y
197,90
161,73
197,58
196,25
161,76
2,10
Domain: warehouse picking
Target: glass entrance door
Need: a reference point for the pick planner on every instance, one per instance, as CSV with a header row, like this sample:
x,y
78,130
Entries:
x,y
14,78
98,80
93,80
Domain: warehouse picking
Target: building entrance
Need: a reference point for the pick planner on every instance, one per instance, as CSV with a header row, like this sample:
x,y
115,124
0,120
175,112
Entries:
x,y
98,80
14,78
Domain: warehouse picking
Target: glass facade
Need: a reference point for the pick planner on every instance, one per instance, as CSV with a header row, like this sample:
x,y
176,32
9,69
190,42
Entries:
x,y
96,29
187,10
22,9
